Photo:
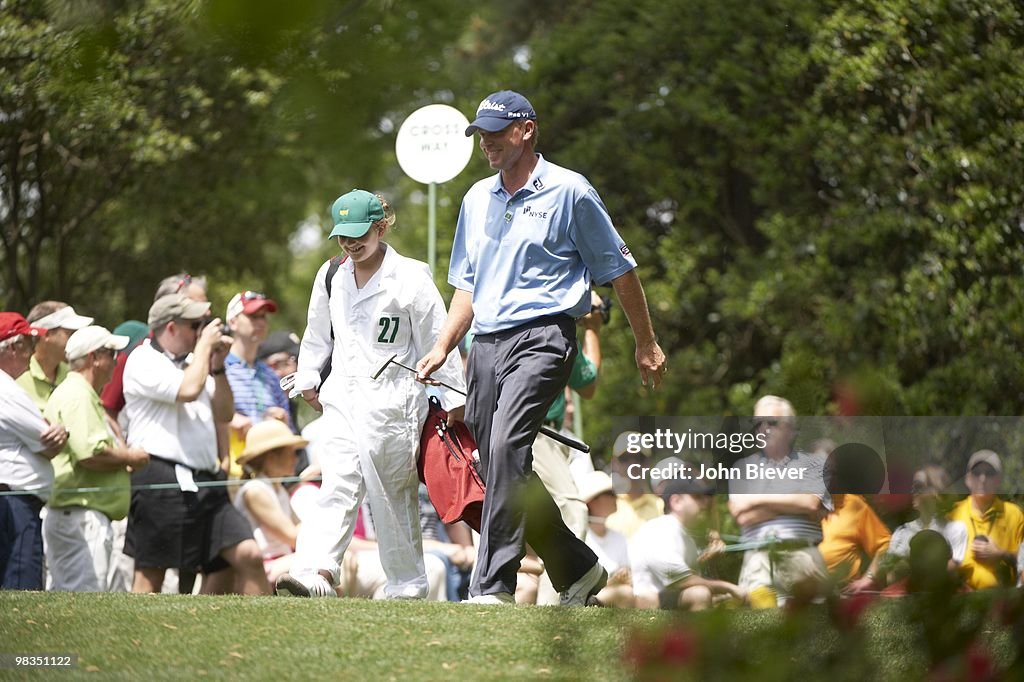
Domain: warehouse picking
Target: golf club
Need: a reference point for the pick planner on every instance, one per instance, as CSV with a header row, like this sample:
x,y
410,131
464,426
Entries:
x,y
550,433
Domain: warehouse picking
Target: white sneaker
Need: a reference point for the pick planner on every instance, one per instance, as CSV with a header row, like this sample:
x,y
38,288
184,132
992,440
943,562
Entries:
x,y
290,586
584,591
495,599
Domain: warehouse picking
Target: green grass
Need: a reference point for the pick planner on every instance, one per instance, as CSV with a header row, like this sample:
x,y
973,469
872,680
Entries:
x,y
182,637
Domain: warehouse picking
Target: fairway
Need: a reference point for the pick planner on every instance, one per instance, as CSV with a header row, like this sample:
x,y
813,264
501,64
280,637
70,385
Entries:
x,y
168,637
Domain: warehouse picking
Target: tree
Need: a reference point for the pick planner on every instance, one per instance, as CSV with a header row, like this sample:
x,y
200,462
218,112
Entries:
x,y
824,198
140,138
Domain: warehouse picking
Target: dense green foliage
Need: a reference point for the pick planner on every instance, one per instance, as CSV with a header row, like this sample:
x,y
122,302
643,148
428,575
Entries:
x,y
824,197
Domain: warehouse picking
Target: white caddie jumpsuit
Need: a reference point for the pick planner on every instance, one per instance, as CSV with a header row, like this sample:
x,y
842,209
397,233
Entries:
x,y
373,426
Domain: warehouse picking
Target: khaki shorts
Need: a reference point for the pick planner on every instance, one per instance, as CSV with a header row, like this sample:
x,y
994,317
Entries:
x,y
782,570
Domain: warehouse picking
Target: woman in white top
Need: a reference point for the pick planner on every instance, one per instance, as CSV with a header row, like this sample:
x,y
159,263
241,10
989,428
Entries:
x,y
928,484
270,454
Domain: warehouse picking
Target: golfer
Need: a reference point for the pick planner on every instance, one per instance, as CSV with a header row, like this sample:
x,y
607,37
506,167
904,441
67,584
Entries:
x,y
381,304
528,243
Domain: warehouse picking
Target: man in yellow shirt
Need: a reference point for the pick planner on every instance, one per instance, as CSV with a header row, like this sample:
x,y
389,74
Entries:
x,y
638,504
47,369
851,534
995,528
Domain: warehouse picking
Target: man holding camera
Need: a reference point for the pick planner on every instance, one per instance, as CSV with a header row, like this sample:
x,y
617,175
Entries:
x,y
175,390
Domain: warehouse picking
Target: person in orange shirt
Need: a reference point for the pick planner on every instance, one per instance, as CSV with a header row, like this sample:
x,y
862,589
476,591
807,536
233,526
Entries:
x,y
995,528
853,531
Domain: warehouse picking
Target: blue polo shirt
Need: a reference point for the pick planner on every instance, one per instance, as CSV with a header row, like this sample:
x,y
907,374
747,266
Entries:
x,y
255,387
534,253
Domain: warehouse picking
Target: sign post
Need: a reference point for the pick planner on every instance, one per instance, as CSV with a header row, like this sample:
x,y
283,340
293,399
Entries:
x,y
432,148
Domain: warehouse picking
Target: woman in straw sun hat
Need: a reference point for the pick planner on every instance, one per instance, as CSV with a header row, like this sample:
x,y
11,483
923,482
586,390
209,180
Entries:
x,y
270,455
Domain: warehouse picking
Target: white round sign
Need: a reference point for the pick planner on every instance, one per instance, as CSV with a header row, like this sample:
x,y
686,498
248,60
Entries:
x,y
432,145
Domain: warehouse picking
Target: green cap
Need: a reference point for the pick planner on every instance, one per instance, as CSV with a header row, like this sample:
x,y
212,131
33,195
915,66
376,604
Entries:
x,y
353,213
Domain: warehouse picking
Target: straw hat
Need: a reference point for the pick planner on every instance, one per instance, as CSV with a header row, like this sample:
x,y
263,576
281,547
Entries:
x,y
268,435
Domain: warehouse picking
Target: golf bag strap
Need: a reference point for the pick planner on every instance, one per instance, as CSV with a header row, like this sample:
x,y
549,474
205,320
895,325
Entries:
x,y
332,270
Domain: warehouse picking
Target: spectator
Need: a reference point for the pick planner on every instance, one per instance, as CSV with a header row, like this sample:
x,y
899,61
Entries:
x,y
183,283
194,288
281,353
381,305
785,517
176,390
27,444
928,484
611,547
254,384
528,243
92,487
47,368
853,530
665,557
995,527
270,453
451,544
638,504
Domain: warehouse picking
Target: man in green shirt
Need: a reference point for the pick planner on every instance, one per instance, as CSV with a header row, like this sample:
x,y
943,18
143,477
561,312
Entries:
x,y
47,369
77,529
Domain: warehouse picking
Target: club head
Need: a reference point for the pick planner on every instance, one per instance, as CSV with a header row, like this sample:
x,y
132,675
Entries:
x,y
384,366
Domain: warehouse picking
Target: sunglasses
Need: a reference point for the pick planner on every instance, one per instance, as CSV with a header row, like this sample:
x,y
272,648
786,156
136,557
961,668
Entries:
x,y
253,296
22,343
183,283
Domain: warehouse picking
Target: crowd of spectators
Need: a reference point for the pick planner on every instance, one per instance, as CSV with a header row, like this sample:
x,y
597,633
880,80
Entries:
x,y
167,449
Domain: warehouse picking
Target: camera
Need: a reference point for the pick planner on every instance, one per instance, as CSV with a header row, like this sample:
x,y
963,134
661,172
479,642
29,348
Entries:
x,y
225,329
605,309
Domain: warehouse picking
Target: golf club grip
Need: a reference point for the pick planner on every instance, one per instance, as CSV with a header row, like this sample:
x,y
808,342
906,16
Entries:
x,y
565,440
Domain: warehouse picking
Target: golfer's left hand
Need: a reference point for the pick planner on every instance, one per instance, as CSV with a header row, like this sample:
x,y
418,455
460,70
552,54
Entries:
x,y
456,414
428,364
650,359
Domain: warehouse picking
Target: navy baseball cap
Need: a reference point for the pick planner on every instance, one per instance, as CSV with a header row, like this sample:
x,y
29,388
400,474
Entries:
x,y
497,111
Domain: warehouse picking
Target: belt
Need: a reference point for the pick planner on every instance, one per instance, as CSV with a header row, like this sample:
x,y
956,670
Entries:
x,y
788,545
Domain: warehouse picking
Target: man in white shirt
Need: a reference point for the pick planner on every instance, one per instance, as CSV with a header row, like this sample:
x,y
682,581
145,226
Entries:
x,y
27,444
175,390
665,557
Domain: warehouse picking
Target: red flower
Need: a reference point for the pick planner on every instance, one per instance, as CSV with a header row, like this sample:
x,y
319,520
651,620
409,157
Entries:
x,y
678,646
979,665
847,612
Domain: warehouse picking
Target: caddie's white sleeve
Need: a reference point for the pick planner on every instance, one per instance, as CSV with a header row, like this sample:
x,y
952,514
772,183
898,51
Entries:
x,y
316,346
428,320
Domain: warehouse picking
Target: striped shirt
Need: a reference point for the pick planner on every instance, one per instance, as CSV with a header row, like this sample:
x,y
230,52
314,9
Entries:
x,y
255,387
785,526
